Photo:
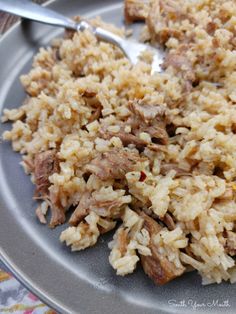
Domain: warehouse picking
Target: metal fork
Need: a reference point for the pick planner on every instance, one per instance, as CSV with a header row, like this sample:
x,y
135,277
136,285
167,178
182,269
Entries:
x,y
32,11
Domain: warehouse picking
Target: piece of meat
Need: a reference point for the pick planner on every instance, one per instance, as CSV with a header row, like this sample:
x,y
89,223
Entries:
x,y
122,240
144,118
45,164
107,208
129,138
169,221
149,119
81,210
147,112
230,246
157,266
166,168
113,164
136,10
157,132
189,252
150,224
57,210
126,138
157,148
58,216
179,61
91,100
88,203
29,163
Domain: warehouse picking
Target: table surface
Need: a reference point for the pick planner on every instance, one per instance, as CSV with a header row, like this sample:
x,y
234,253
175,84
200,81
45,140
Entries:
x,y
14,298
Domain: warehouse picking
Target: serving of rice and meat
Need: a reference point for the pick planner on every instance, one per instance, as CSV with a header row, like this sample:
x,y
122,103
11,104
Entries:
x,y
151,157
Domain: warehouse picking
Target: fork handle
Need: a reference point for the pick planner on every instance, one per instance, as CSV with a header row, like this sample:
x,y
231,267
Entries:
x,y
32,11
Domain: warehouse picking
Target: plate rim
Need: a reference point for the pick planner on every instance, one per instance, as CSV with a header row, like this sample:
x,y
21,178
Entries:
x,y
28,284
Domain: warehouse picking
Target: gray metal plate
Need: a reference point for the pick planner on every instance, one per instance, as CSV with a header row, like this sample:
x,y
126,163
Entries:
x,y
80,282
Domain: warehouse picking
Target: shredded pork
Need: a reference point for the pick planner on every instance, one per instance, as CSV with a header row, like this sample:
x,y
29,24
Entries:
x,y
157,266
45,164
113,164
103,208
126,138
149,119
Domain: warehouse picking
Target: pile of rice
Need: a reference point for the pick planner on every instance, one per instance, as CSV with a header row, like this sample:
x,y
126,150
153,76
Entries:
x,y
79,87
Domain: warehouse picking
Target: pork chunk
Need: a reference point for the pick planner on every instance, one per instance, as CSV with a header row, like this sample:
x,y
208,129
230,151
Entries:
x,y
171,166
113,164
180,62
157,266
45,164
108,209
81,210
149,119
126,138
147,112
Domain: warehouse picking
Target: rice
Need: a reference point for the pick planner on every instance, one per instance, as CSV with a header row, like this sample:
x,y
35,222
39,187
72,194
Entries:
x,y
89,105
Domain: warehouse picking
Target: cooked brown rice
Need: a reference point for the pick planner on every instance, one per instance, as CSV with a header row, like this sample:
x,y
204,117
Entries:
x,y
157,152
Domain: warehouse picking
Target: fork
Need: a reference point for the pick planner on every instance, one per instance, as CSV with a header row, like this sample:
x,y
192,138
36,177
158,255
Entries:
x,y
132,49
